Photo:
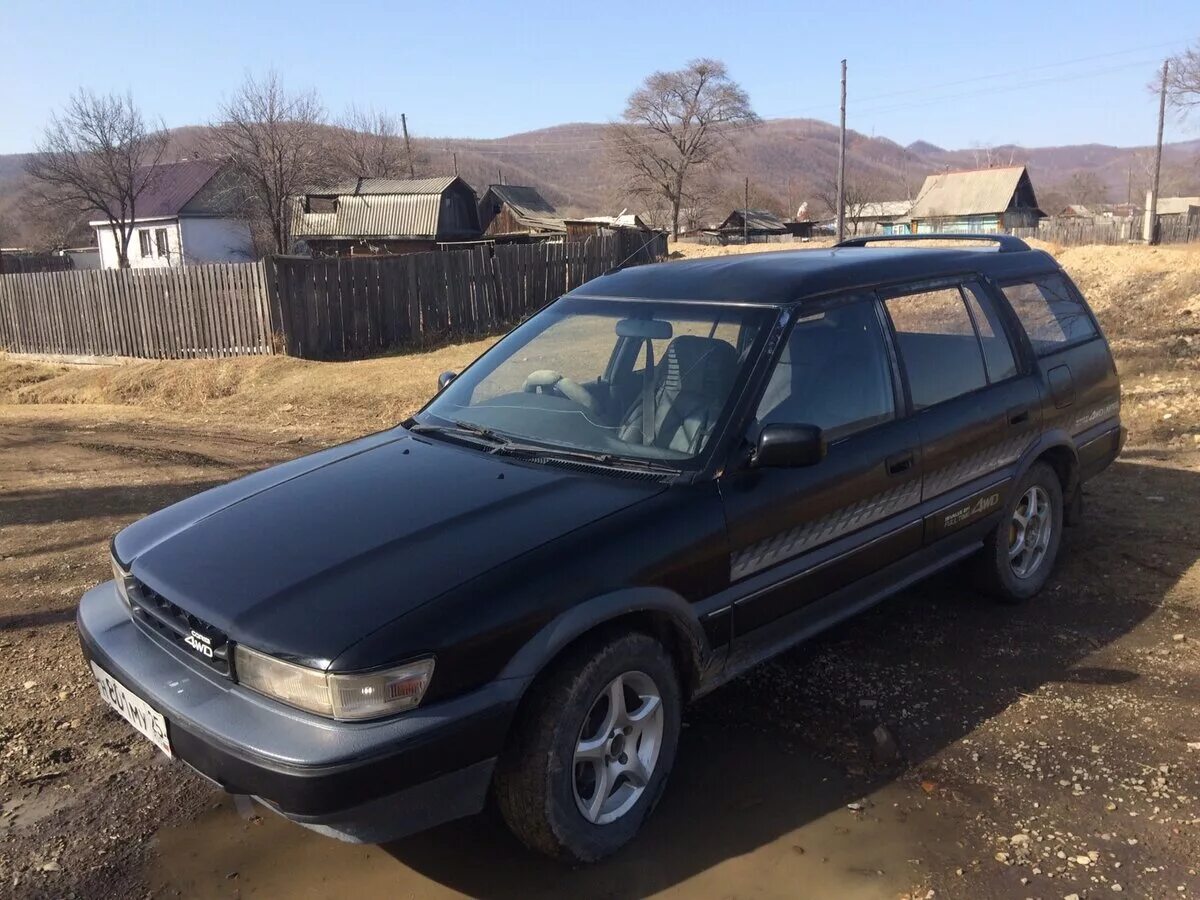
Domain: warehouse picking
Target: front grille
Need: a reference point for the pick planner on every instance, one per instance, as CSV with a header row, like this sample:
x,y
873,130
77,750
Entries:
x,y
195,637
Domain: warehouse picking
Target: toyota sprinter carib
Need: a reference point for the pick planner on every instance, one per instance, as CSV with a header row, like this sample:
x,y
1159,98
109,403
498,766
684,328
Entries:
x,y
666,476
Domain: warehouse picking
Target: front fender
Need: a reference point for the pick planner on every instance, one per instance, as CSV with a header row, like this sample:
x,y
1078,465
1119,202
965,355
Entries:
x,y
575,622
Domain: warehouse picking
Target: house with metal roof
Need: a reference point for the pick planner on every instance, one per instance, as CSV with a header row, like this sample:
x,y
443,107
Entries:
x,y
979,200
515,212
186,213
383,216
878,217
754,222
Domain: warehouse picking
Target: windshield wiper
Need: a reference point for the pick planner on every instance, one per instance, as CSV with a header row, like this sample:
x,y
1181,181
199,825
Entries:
x,y
598,457
460,429
502,444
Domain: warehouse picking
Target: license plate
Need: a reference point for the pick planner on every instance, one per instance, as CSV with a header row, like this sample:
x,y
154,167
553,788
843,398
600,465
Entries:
x,y
136,711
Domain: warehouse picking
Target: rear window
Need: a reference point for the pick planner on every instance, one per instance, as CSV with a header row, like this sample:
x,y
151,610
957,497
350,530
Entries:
x,y
1052,314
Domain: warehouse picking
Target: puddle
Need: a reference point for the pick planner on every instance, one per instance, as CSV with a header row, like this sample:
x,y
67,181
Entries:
x,y
740,819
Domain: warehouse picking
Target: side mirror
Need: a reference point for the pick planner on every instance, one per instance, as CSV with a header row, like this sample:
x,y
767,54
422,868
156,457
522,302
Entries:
x,y
445,378
788,446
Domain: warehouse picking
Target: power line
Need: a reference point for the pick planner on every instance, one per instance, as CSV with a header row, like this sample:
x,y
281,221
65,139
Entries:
x,y
570,146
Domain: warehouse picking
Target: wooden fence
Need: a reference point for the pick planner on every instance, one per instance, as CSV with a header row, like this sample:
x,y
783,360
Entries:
x,y
1071,232
316,309
346,308
197,311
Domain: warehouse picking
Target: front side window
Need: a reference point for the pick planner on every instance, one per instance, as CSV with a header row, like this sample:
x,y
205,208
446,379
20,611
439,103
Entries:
x,y
937,344
160,242
1051,313
634,379
144,243
833,372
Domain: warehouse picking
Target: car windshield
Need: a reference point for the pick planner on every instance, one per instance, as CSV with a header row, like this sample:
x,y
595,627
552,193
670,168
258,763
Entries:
x,y
627,379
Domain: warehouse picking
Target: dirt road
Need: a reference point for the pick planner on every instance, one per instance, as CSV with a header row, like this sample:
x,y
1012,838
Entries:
x,y
939,743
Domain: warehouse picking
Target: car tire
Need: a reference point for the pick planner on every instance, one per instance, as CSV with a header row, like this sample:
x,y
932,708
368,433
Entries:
x,y
1019,554
565,741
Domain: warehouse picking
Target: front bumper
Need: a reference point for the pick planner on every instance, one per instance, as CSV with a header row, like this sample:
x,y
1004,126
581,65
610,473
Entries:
x,y
364,781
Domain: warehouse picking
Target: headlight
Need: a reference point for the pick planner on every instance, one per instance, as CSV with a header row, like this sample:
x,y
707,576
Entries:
x,y
368,695
125,581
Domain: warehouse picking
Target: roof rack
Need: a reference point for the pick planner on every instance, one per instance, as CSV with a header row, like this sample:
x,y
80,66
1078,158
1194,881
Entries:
x,y
1006,242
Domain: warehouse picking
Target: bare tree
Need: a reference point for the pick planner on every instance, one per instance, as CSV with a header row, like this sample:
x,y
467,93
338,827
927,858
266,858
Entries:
x,y
1183,80
368,144
1087,189
51,225
675,125
863,194
97,157
276,140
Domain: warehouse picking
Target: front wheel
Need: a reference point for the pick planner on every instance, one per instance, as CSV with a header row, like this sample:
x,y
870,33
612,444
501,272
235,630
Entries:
x,y
592,749
1019,555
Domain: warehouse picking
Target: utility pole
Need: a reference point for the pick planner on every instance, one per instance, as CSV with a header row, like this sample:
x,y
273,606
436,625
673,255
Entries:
x,y
841,175
455,155
1150,230
746,214
412,173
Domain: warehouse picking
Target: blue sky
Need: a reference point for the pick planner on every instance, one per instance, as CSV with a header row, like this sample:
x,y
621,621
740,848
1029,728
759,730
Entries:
x,y
956,74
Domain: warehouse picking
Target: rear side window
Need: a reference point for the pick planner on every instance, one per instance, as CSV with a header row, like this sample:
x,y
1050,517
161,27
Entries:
x,y
1051,313
937,345
997,352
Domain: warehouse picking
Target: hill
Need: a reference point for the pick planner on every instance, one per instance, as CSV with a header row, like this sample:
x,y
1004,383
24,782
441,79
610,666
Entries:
x,y
788,161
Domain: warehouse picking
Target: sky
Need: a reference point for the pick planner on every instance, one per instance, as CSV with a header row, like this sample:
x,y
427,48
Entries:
x,y
954,74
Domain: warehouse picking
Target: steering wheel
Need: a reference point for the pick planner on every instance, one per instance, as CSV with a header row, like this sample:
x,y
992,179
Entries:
x,y
547,380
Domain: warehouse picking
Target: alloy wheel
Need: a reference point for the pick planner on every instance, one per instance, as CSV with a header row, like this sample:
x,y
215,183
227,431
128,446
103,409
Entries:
x,y
1030,531
618,747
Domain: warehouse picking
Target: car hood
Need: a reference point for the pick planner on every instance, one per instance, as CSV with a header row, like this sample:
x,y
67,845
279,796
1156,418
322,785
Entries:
x,y
305,558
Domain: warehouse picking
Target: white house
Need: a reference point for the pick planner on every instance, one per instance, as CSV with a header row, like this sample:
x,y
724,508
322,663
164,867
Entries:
x,y
184,216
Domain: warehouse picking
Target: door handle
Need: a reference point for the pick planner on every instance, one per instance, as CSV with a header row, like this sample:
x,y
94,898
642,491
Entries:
x,y
899,463
1018,415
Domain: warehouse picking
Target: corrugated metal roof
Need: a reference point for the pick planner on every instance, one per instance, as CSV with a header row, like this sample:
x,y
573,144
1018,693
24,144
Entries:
x,y
373,215
975,193
529,207
880,209
1175,206
385,186
756,220
374,208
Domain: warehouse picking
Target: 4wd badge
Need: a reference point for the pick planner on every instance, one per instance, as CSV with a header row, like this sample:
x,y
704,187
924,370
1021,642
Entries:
x,y
199,643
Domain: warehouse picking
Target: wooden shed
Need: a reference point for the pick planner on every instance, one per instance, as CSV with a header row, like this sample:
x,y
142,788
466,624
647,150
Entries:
x,y
380,216
515,212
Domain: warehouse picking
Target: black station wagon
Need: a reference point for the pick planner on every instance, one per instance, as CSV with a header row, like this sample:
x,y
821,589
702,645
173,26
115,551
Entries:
x,y
662,478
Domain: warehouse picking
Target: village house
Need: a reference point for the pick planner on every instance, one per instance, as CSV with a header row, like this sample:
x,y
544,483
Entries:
x,y
514,212
878,217
753,223
186,214
383,216
979,200
583,228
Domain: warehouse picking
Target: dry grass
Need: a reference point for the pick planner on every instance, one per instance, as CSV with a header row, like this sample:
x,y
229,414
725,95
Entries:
x,y
1148,300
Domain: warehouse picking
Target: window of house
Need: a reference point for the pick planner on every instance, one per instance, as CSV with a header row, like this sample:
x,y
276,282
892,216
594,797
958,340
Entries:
x,y
314,204
937,344
144,243
833,372
997,352
1052,314
160,242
